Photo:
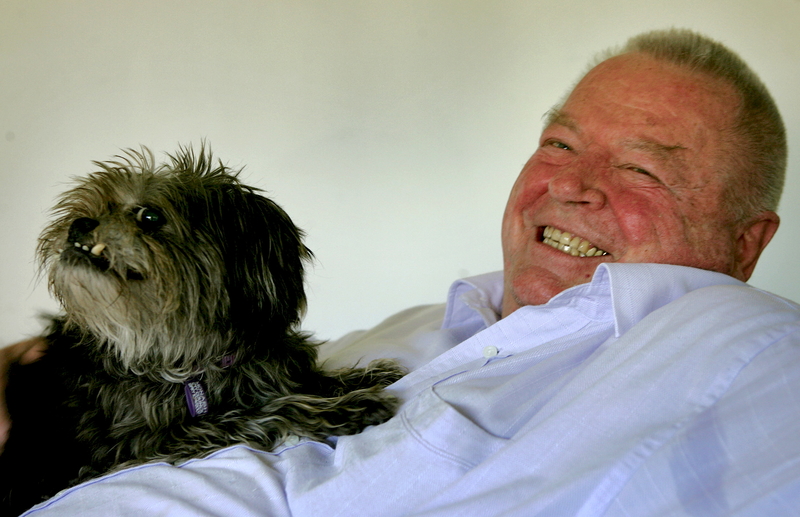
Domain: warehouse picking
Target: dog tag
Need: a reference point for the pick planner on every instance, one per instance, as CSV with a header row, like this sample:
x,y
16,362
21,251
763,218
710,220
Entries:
x,y
196,399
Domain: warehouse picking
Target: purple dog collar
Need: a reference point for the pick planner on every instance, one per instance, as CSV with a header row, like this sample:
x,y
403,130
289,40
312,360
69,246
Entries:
x,y
196,399
195,392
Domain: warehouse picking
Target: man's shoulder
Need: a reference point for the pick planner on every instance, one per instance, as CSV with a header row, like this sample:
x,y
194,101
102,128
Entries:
x,y
658,291
734,314
387,339
732,301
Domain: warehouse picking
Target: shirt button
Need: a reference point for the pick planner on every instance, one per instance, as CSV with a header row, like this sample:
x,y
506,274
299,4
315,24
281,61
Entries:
x,y
490,351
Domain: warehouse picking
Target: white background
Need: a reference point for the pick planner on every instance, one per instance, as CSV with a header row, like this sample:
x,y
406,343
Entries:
x,y
391,131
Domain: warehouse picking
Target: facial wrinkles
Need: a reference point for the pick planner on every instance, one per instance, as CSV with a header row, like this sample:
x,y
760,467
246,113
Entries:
x,y
668,197
671,158
666,152
670,155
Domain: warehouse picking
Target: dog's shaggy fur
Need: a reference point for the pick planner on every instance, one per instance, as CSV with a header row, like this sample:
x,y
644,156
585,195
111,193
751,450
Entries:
x,y
172,276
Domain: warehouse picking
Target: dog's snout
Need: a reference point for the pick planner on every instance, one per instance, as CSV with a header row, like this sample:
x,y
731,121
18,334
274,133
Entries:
x,y
81,227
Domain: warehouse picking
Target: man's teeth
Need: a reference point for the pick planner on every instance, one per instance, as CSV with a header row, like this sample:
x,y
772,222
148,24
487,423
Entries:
x,y
570,244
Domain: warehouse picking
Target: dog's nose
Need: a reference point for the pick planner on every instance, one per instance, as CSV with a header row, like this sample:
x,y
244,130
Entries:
x,y
81,227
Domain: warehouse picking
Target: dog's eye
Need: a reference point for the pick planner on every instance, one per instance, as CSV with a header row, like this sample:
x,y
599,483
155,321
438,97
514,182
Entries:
x,y
149,219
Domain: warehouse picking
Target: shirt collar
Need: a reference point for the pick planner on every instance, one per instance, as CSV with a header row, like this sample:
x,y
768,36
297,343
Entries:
x,y
475,298
639,289
635,291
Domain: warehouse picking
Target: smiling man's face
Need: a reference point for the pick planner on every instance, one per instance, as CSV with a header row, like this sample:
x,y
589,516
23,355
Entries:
x,y
630,169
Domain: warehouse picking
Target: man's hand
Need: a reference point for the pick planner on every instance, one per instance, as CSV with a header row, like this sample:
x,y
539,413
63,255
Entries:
x,y
24,352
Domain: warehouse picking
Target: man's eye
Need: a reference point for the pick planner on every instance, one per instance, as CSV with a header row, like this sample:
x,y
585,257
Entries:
x,y
644,172
559,145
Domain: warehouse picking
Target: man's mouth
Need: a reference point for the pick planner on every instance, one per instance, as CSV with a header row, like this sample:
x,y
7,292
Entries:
x,y
570,244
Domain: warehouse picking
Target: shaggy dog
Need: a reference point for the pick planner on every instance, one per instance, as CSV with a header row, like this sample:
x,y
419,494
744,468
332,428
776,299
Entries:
x,y
182,290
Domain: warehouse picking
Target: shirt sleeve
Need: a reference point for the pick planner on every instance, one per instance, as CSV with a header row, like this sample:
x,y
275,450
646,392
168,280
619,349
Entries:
x,y
235,481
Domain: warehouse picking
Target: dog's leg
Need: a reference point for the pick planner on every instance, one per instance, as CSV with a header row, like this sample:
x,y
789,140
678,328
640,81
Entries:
x,y
379,373
318,417
347,401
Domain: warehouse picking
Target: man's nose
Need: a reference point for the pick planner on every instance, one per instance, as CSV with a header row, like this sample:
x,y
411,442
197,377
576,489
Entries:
x,y
578,184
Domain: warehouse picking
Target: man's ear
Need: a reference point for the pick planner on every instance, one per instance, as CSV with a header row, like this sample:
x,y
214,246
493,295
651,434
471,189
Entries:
x,y
753,238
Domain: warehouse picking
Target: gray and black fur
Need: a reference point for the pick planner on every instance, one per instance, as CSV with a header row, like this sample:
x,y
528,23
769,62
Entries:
x,y
168,273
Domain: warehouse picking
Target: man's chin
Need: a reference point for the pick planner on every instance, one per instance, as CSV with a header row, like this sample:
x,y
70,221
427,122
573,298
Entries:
x,y
532,290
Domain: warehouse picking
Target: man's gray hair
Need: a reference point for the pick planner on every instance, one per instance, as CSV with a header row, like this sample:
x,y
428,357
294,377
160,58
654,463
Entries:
x,y
759,137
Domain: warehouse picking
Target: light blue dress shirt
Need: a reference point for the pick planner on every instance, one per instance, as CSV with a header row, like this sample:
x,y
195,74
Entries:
x,y
653,390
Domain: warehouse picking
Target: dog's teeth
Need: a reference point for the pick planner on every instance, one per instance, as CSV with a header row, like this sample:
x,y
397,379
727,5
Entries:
x,y
85,248
77,244
98,249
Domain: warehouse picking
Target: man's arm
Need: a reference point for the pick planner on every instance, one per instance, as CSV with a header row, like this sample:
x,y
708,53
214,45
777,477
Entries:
x,y
23,352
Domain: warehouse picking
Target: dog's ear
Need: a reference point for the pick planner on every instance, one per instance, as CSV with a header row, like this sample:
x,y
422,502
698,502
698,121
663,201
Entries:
x,y
264,257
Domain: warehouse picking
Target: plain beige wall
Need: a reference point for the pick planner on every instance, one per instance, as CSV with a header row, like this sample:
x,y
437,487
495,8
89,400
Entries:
x,y
390,130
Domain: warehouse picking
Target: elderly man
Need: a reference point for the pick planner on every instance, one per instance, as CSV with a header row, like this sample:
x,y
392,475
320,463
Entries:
x,y
618,366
